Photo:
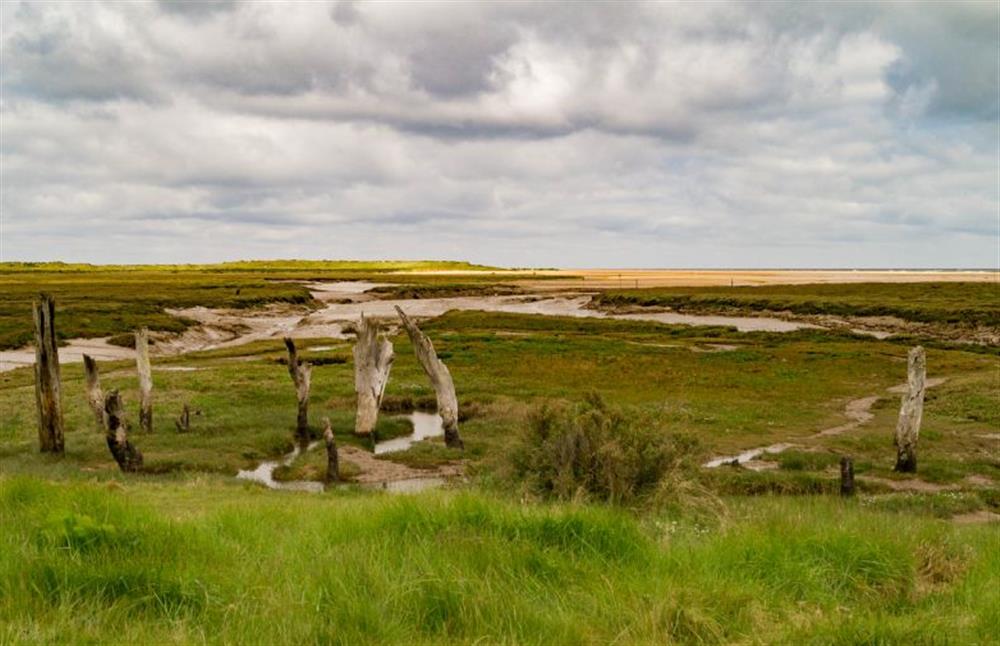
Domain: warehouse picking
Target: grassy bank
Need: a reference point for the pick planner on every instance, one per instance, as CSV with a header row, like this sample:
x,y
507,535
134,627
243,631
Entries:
x,y
955,303
169,564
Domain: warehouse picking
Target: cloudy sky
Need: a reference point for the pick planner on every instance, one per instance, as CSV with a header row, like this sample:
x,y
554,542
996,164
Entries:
x,y
689,134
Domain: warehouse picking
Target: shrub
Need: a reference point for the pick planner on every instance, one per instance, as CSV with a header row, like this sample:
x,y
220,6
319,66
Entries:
x,y
599,452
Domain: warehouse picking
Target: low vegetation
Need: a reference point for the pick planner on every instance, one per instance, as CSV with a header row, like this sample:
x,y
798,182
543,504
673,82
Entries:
x,y
583,516
98,301
594,451
954,303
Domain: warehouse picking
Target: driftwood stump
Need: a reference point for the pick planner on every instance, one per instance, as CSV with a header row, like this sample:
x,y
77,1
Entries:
x,y
128,457
846,476
183,423
95,396
301,373
372,360
145,380
444,386
48,398
332,461
911,411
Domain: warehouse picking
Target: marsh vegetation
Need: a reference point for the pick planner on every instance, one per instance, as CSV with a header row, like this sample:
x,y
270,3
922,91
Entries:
x,y
578,511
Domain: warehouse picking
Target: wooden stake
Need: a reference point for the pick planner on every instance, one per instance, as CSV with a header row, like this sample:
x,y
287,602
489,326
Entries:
x,y
301,373
95,397
373,357
145,380
48,398
332,461
183,423
128,457
911,411
846,476
444,386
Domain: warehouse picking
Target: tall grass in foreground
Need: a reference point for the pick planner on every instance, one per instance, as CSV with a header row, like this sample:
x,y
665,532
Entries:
x,y
142,564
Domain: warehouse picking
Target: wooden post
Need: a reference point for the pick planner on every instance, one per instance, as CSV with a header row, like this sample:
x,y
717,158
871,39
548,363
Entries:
x,y
373,357
846,476
183,423
444,386
145,380
301,373
332,461
95,397
48,397
128,457
911,412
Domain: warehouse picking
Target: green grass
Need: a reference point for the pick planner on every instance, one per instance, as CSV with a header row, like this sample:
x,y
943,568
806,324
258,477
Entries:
x,y
142,564
955,303
368,266
185,553
98,300
775,387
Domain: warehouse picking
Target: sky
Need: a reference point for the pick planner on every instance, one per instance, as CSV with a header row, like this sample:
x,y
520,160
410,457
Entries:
x,y
673,134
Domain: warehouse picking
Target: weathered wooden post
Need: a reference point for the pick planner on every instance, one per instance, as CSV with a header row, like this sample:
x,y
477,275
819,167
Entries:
x,y
846,476
444,386
911,411
145,380
128,457
301,373
332,461
47,382
373,357
95,397
183,423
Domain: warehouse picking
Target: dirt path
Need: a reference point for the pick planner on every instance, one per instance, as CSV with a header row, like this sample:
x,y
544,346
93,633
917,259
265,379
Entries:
x,y
976,518
858,411
911,484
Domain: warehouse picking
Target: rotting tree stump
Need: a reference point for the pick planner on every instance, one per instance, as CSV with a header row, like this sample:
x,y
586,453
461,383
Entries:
x,y
373,357
444,386
301,373
911,411
145,380
95,396
48,396
128,457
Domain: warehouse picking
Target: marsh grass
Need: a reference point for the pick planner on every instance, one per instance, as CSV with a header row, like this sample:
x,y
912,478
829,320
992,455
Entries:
x,y
81,562
953,302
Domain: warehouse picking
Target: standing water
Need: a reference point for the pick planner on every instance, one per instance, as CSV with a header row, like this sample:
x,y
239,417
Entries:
x,y
425,425
264,474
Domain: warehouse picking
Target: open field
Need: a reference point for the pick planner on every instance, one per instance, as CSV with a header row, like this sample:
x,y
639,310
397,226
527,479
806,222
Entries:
x,y
766,553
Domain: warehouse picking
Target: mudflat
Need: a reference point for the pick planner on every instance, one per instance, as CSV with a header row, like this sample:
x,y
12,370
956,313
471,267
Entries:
x,y
625,278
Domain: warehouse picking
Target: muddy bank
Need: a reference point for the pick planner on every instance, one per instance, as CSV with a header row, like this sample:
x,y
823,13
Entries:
x,y
72,352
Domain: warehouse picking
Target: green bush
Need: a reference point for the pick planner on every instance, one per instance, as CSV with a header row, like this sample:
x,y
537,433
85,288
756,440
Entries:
x,y
598,452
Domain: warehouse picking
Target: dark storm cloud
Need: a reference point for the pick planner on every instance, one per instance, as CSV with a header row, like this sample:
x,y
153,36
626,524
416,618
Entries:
x,y
551,133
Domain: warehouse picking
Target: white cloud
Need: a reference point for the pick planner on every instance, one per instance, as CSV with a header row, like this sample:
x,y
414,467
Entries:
x,y
659,134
